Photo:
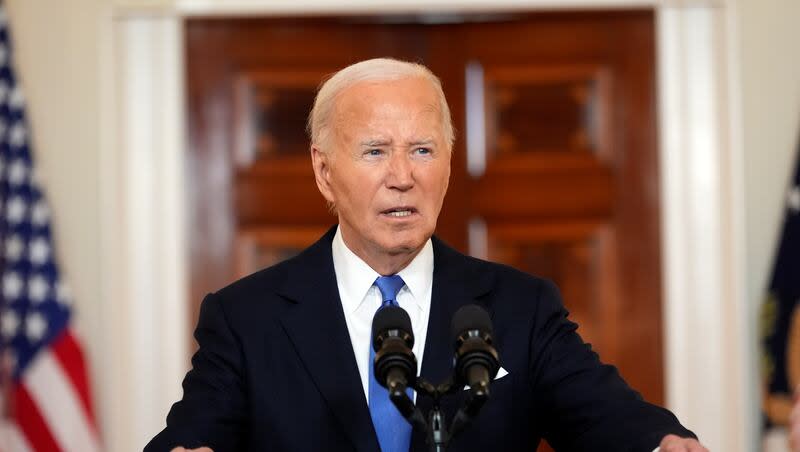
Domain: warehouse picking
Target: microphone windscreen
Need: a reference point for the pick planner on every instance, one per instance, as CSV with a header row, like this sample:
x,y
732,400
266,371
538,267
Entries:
x,y
390,318
470,317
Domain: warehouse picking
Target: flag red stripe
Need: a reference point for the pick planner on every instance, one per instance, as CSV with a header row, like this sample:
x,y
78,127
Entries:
x,y
31,422
69,355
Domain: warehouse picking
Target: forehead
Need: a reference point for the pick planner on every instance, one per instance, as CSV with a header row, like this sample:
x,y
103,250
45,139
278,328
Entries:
x,y
392,103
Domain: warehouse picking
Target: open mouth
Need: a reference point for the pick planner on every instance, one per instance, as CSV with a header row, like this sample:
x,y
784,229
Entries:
x,y
400,212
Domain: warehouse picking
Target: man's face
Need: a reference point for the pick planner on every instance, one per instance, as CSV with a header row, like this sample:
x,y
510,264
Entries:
x,y
386,166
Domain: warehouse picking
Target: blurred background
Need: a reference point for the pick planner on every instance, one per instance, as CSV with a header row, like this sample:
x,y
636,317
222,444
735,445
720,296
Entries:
x,y
639,153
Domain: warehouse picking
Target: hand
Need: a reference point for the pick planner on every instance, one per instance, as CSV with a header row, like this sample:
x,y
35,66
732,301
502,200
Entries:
x,y
794,423
674,443
202,449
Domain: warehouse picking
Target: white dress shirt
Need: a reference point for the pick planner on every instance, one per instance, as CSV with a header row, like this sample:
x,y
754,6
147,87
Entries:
x,y
361,298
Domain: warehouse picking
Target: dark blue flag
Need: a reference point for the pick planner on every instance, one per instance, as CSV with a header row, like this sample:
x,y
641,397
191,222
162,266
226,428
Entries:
x,y
780,319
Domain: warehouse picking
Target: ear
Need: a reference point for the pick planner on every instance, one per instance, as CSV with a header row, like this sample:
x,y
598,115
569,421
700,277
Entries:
x,y
321,161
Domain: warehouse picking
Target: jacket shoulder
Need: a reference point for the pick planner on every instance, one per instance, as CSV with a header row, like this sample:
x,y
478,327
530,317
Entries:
x,y
268,284
260,283
487,276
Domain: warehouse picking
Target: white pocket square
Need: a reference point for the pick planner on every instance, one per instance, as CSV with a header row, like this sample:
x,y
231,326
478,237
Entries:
x,y
500,374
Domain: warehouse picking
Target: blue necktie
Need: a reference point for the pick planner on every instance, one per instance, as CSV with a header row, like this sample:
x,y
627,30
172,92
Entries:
x,y
394,432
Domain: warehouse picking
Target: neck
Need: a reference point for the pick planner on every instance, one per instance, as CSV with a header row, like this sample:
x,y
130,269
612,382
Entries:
x,y
384,263
390,265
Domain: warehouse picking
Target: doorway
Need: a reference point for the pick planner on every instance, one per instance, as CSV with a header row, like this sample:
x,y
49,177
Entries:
x,y
561,181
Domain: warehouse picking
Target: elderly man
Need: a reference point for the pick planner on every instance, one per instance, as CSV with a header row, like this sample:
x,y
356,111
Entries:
x,y
284,357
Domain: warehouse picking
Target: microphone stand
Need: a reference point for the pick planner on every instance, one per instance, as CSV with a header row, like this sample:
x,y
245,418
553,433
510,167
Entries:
x,y
438,435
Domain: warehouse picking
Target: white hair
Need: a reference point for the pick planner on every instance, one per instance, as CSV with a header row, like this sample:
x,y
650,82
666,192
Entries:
x,y
374,70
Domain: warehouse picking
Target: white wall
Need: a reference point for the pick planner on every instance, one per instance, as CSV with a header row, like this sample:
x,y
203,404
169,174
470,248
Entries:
x,y
769,38
770,60
62,53
768,45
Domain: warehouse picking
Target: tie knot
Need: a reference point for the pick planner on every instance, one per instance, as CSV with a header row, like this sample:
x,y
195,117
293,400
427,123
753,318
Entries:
x,y
389,286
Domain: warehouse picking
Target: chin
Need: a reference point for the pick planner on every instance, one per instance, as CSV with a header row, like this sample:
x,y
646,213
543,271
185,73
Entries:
x,y
405,243
402,248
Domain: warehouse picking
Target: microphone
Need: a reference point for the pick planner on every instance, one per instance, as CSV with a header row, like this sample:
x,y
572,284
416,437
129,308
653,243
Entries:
x,y
395,365
476,361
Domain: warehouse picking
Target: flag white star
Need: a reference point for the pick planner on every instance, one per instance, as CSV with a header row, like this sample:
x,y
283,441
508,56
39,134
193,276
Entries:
x,y
17,172
16,210
14,247
40,214
793,200
12,286
37,289
9,324
35,326
17,134
3,54
17,99
39,251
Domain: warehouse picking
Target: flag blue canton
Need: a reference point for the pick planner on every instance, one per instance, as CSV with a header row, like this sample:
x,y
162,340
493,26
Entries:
x,y
34,304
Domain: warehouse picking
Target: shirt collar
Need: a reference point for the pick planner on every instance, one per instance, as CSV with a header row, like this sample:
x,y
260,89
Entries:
x,y
355,277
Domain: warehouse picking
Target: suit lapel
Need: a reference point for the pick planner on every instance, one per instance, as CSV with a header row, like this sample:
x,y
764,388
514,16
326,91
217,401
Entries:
x,y
457,281
316,326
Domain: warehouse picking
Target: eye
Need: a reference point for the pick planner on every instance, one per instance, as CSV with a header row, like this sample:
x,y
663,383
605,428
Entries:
x,y
373,152
422,151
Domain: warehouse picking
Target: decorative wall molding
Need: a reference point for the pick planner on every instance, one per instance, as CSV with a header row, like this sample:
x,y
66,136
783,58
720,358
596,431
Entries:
x,y
188,8
144,228
706,338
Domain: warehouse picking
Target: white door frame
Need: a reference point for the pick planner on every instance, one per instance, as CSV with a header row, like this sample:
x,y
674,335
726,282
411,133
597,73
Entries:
x,y
710,382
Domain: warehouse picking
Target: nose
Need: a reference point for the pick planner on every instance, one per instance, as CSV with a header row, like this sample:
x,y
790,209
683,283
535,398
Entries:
x,y
400,174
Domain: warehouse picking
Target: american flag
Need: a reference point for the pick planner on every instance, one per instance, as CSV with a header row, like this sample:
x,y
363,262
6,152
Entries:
x,y
45,403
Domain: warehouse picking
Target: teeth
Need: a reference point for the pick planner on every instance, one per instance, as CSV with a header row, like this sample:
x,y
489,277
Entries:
x,y
400,213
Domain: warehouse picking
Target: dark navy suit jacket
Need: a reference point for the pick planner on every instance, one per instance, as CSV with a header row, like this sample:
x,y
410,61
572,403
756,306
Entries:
x,y
275,370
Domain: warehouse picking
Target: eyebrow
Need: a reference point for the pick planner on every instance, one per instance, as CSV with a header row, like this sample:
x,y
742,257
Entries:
x,y
383,142
375,143
423,142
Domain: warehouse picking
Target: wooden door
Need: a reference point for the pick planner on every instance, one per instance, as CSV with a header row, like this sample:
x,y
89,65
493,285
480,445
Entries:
x,y
559,178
